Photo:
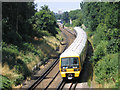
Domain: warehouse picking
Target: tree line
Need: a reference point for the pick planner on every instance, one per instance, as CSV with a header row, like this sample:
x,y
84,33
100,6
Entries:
x,y
74,15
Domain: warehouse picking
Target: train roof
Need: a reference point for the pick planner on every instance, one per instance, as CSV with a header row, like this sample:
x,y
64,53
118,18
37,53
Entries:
x,y
78,44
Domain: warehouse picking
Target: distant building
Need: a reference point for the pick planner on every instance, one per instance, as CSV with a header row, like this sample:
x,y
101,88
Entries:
x,y
59,11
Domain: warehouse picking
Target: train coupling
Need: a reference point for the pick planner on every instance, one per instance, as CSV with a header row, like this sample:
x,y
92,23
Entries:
x,y
70,76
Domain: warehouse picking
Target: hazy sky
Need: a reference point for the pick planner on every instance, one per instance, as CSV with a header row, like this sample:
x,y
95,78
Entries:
x,y
59,4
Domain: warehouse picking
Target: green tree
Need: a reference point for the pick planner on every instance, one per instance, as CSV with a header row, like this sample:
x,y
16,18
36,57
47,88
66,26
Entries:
x,y
16,21
65,17
45,21
75,14
58,16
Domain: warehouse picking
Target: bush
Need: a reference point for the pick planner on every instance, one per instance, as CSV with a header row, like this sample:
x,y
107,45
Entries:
x,y
21,68
68,25
117,84
18,80
9,54
100,51
5,82
27,59
112,46
106,69
89,33
31,48
100,34
77,22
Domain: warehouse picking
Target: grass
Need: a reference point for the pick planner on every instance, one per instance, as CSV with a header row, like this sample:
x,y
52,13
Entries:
x,y
89,82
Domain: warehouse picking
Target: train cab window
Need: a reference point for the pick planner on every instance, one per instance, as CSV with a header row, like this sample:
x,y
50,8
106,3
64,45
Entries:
x,y
74,61
64,62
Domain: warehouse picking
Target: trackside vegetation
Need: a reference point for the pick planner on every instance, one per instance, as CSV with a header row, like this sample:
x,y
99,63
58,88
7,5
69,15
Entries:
x,y
101,21
30,37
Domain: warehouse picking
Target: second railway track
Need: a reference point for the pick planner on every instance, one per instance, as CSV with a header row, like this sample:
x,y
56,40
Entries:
x,y
39,81
67,85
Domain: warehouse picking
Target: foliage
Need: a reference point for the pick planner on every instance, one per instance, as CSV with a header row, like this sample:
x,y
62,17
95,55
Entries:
x,y
77,22
21,68
100,51
74,15
68,25
16,21
58,16
100,34
45,21
9,54
96,12
18,80
65,17
5,82
101,20
31,48
118,81
107,68
111,35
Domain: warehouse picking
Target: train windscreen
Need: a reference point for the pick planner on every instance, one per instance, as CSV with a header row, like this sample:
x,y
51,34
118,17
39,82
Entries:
x,y
74,61
70,62
65,62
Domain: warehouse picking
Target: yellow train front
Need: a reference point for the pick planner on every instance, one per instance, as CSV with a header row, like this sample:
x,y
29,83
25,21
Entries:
x,y
72,59
70,67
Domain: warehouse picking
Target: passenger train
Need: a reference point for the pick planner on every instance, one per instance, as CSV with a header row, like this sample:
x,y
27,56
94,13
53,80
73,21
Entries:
x,y
72,59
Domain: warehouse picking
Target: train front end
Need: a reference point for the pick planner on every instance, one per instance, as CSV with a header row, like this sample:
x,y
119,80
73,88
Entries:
x,y
70,67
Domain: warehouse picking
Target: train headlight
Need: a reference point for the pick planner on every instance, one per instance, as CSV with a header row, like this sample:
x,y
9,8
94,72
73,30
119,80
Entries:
x,y
76,69
63,70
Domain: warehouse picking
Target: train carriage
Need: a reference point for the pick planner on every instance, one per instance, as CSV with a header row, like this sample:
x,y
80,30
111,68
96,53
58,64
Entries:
x,y
72,59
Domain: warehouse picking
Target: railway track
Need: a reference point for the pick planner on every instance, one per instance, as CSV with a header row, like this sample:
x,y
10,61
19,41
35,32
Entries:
x,y
43,76
67,85
39,80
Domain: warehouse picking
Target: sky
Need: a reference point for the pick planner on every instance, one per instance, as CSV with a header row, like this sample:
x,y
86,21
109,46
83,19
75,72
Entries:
x,y
59,5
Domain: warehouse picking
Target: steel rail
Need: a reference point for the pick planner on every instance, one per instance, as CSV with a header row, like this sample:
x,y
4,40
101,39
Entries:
x,y
71,86
43,75
74,86
52,80
61,85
